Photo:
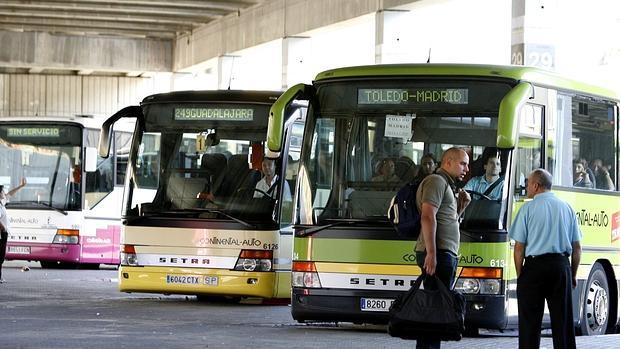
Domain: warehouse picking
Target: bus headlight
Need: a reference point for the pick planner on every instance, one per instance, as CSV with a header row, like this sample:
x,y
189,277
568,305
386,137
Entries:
x,y
253,264
490,286
66,236
129,259
254,260
305,275
478,286
467,286
479,280
128,255
306,280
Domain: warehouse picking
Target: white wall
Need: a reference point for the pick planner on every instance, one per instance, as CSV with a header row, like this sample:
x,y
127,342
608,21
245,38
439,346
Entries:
x,y
455,31
587,45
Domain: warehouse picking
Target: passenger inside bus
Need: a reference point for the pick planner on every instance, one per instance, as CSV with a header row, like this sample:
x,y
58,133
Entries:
x,y
405,169
588,171
602,176
385,172
428,165
490,184
581,178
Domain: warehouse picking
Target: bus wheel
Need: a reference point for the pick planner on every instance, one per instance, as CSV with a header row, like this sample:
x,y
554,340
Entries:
x,y
596,303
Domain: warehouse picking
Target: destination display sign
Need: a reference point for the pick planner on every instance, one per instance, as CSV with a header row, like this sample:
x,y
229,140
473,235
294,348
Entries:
x,y
227,114
33,132
383,96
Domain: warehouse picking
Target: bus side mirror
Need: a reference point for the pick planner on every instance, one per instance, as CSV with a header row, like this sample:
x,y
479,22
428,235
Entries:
x,y
105,138
90,161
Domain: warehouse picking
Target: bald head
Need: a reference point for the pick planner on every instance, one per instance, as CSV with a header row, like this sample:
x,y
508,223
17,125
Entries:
x,y
539,181
542,177
455,162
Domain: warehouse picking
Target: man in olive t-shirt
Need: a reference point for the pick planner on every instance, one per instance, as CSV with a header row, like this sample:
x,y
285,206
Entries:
x,y
440,208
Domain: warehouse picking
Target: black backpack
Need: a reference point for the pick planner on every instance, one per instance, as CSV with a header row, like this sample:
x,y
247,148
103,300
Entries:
x,y
403,211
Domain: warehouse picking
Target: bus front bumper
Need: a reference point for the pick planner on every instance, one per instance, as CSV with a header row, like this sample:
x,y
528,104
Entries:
x,y
69,253
215,282
345,306
337,305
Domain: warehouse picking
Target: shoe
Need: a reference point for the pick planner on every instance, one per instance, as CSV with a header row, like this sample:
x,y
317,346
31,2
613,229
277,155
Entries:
x,y
2,281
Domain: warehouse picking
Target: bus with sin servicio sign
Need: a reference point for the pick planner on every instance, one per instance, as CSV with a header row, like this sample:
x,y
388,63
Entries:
x,y
67,214
371,129
203,214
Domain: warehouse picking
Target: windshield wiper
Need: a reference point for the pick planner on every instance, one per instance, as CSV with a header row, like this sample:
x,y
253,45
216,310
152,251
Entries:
x,y
26,203
212,210
336,222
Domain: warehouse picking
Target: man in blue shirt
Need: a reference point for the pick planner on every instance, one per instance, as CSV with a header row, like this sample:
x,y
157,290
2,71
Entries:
x,y
545,231
482,184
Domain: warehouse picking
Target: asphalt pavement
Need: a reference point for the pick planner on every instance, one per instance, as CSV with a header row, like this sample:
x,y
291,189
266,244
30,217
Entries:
x,y
56,308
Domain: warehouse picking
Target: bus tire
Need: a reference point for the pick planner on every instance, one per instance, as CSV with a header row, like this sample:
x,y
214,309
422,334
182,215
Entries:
x,y
597,304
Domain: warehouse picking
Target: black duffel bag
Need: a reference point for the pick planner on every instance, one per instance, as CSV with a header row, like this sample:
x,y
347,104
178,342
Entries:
x,y
428,314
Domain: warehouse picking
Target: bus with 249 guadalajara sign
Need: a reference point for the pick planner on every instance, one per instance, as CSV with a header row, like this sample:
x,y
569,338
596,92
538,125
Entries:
x,y
195,219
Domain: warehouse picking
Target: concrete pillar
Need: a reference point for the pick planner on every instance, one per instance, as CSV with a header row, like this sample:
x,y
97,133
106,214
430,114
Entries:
x,y
226,71
392,39
533,34
296,61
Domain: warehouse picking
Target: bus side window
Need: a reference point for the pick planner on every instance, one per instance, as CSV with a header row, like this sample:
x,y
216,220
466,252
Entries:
x,y
582,131
101,182
122,144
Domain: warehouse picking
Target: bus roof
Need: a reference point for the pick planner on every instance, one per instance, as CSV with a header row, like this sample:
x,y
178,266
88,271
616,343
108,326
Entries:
x,y
214,96
517,73
85,121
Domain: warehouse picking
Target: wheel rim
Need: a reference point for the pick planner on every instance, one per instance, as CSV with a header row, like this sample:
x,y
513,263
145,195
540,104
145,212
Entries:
x,y
597,307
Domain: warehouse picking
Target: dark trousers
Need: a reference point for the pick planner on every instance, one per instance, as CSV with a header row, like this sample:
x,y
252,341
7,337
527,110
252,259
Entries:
x,y
445,271
546,277
4,237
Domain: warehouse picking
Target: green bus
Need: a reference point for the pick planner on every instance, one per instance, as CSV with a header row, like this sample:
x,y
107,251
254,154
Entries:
x,y
348,262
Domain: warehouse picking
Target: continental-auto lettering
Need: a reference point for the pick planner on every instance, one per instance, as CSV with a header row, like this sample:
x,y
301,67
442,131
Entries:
x,y
592,219
471,259
230,241
184,261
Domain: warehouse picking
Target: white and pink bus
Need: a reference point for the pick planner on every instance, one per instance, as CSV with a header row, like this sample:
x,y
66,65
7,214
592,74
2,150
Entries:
x,y
68,214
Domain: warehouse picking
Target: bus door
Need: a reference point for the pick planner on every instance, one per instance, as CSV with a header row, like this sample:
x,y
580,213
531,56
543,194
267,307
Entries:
x,y
288,169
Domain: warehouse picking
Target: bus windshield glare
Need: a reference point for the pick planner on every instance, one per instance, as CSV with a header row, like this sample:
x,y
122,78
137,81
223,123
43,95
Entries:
x,y
48,157
197,160
368,138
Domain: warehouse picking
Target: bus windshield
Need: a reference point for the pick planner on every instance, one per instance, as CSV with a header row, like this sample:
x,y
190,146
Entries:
x,y
367,139
48,157
202,168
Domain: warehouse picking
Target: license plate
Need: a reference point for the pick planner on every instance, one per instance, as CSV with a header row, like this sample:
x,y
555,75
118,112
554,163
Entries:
x,y
375,304
211,280
19,249
183,279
